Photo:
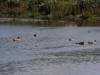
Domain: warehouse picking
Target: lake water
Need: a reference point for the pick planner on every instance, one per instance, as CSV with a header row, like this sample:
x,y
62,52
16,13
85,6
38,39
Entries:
x,y
51,52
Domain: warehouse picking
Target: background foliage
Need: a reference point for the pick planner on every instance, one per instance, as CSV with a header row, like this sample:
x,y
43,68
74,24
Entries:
x,y
49,8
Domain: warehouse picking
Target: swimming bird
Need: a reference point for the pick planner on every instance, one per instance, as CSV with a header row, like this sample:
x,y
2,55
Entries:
x,y
35,35
92,42
88,31
71,39
80,43
16,39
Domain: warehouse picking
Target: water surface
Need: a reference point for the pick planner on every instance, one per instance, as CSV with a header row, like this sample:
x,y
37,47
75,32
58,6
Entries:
x,y
51,52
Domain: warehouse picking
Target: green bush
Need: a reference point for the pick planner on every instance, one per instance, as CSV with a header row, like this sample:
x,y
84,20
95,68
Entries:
x,y
93,18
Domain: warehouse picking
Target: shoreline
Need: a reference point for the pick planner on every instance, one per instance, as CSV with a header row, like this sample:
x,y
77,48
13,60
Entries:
x,y
23,20
6,19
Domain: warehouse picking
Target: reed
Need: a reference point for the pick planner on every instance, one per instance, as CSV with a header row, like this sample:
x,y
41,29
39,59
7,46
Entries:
x,y
56,8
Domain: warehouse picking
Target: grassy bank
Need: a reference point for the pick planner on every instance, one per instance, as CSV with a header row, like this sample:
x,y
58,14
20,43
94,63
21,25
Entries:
x,y
52,9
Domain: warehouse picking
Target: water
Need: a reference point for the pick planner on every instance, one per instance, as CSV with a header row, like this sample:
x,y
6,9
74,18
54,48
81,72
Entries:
x,y
51,52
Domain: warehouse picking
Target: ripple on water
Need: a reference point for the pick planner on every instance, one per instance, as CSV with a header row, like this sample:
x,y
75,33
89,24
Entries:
x,y
50,49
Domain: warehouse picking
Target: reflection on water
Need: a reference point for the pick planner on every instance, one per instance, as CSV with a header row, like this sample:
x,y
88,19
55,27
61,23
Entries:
x,y
50,52
51,23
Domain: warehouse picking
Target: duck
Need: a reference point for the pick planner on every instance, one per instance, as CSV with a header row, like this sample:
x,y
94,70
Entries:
x,y
88,31
35,35
71,39
80,43
94,42
16,39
